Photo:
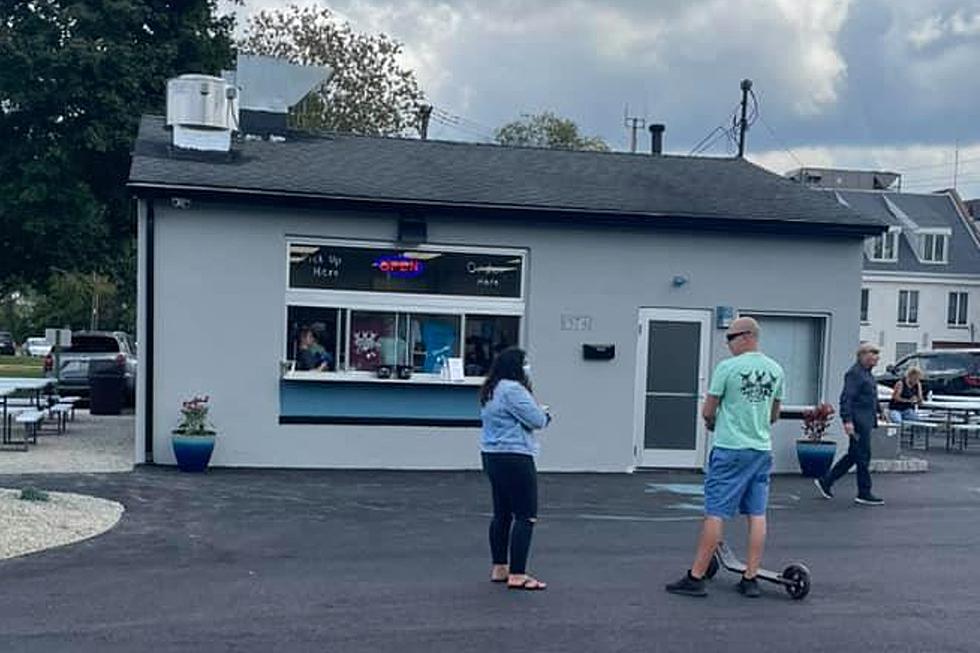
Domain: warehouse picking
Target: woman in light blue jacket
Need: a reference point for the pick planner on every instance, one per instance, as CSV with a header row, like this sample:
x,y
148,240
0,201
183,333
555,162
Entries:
x,y
508,447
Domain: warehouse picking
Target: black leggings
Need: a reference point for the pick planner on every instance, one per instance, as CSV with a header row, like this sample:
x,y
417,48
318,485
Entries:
x,y
515,507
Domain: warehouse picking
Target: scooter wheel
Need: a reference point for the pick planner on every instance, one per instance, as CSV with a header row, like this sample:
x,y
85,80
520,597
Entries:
x,y
713,567
799,581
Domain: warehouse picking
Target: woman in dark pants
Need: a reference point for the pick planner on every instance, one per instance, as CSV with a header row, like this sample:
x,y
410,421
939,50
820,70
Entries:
x,y
508,447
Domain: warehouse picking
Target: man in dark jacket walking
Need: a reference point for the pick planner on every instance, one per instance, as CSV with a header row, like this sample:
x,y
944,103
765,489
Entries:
x,y
859,411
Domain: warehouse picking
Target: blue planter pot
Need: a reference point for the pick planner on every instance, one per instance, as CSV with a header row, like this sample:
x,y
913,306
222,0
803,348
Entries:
x,y
193,452
815,457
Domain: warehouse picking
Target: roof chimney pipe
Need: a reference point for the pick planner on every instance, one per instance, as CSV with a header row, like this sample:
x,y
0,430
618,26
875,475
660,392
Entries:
x,y
657,139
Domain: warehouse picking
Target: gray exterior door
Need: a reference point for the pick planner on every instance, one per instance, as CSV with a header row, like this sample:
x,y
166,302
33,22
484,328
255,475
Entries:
x,y
672,372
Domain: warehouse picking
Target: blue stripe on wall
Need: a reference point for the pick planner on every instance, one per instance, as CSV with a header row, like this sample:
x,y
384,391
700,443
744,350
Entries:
x,y
349,400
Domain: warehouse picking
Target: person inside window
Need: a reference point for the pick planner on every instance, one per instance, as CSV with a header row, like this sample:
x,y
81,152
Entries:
x,y
311,355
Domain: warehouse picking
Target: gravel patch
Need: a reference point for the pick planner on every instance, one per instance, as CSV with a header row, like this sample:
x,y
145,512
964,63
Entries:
x,y
93,444
30,526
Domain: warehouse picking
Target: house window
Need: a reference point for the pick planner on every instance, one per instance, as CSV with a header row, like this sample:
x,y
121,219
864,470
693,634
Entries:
x,y
883,248
908,306
903,349
486,337
934,248
316,339
422,271
865,296
313,337
797,344
957,314
363,307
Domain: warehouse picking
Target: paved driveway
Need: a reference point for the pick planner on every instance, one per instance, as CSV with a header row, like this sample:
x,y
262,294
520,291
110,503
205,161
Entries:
x,y
346,561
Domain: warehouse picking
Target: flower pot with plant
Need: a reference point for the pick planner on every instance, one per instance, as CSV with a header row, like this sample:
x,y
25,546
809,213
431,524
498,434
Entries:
x,y
815,454
193,439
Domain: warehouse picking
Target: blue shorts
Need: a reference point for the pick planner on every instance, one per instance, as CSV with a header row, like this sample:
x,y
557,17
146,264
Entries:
x,y
737,479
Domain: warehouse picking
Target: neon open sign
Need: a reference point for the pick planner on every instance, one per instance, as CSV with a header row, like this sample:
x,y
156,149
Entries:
x,y
400,267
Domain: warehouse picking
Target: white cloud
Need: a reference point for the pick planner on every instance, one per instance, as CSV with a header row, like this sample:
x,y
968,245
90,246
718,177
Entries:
x,y
859,82
927,32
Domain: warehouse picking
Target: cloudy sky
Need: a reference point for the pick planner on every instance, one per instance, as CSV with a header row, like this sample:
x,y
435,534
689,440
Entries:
x,y
888,84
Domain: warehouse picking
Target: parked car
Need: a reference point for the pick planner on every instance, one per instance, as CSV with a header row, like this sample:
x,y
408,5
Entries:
x,y
7,346
36,347
93,346
947,371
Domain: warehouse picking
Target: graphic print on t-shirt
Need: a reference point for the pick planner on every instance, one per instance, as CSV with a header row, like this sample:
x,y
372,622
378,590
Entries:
x,y
757,386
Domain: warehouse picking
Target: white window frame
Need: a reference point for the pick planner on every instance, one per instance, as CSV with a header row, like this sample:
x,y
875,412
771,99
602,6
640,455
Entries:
x,y
956,300
824,370
891,236
908,306
938,236
400,304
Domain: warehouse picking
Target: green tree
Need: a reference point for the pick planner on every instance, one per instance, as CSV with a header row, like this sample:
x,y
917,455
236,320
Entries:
x,y
75,76
370,91
548,130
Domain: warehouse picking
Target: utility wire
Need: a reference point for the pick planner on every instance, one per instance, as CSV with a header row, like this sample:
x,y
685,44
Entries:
x,y
941,165
460,127
780,142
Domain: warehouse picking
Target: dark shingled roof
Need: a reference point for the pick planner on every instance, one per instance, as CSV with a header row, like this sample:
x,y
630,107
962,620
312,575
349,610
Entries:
x,y
927,210
397,170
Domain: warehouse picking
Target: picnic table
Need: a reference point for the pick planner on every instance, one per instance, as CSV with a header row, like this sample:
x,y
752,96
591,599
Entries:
x,y
12,385
951,406
31,385
5,391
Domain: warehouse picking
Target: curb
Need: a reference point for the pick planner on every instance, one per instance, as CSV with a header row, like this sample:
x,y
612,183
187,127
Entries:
x,y
899,466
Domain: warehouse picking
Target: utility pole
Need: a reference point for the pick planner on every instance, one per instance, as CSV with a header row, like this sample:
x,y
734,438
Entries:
x,y
633,123
425,112
742,125
956,163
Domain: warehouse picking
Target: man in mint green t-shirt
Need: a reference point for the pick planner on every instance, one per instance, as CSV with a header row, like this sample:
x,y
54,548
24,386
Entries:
x,y
743,402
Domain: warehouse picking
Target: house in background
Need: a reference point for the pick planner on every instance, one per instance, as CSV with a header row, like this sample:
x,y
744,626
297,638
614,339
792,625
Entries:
x,y
921,280
409,259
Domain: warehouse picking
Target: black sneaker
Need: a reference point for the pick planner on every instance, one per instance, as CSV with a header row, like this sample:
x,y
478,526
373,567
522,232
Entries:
x,y
869,500
689,586
824,489
749,588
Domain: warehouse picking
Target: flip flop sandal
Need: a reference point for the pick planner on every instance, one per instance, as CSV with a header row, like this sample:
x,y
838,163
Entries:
x,y
529,585
498,580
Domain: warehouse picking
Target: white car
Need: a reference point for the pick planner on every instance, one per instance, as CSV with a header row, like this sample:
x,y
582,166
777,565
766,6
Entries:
x,y
37,347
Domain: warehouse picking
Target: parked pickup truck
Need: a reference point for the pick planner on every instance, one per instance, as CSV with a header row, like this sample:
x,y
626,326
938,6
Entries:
x,y
86,347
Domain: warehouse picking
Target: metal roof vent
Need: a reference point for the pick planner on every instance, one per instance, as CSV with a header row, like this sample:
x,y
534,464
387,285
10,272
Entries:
x,y
202,111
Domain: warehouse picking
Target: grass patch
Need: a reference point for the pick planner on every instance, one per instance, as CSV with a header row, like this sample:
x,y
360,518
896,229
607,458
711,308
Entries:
x,y
33,494
23,366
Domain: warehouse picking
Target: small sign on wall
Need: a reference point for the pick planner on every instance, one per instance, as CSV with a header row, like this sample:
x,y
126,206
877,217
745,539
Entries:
x,y
724,315
576,322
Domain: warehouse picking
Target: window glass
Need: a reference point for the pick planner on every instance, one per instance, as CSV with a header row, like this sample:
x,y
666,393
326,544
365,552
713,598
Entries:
x,y
796,343
903,349
93,344
486,337
312,337
330,267
963,309
432,339
373,340
865,293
